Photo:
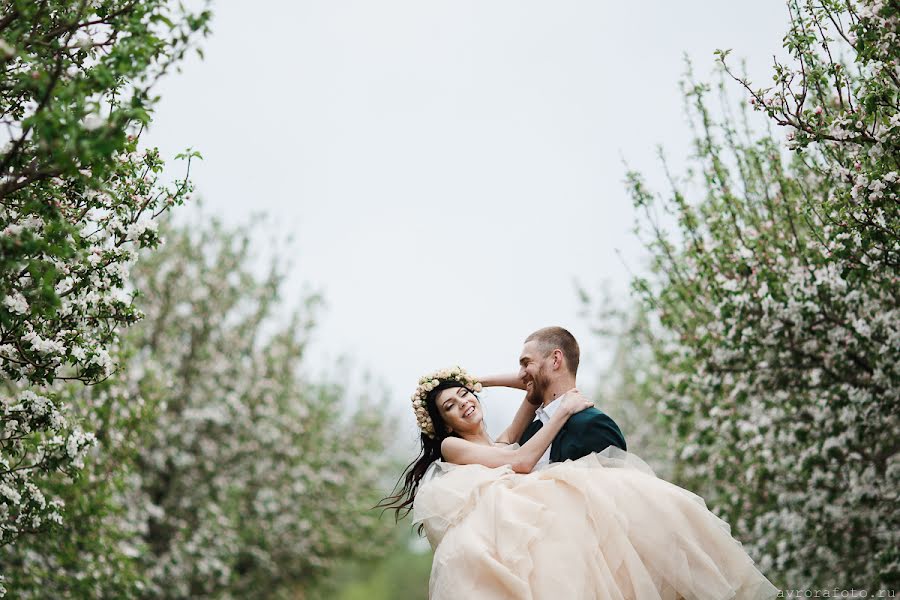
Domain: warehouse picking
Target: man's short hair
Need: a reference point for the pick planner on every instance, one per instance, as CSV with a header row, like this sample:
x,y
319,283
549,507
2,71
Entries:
x,y
551,338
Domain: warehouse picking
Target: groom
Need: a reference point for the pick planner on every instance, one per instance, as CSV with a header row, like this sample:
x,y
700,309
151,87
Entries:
x,y
548,365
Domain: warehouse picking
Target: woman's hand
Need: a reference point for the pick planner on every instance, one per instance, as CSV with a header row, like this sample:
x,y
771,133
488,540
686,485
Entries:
x,y
530,396
574,402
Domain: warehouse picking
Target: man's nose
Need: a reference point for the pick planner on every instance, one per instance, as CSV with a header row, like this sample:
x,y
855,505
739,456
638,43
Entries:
x,y
522,373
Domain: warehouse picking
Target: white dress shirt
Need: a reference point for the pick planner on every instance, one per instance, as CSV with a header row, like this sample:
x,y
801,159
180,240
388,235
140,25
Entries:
x,y
543,413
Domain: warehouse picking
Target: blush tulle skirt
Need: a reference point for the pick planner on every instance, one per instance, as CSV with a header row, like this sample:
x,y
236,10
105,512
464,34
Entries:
x,y
600,527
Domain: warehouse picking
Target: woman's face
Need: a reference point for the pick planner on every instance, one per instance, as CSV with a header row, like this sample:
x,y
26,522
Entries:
x,y
460,409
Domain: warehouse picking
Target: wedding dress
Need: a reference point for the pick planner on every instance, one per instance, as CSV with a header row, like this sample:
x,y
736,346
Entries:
x,y
600,527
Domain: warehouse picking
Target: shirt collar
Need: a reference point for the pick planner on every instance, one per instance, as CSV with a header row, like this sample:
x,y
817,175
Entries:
x,y
545,412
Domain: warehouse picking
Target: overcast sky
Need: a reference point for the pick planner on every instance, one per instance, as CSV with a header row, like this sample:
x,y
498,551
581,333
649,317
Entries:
x,y
448,169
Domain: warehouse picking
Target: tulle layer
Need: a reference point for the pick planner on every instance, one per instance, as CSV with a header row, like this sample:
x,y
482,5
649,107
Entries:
x,y
601,527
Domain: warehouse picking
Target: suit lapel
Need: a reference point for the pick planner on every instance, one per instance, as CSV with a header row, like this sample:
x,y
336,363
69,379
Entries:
x,y
532,429
556,446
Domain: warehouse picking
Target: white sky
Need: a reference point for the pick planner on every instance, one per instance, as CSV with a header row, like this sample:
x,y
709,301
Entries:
x,y
448,169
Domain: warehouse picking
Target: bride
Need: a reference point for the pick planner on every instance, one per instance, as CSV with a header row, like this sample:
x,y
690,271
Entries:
x,y
599,527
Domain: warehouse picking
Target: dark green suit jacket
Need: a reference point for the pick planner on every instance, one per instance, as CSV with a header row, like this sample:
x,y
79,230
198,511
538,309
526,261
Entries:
x,y
590,430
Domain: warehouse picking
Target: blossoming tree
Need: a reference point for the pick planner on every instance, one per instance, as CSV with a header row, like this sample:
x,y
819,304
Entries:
x,y
222,468
77,200
777,335
256,478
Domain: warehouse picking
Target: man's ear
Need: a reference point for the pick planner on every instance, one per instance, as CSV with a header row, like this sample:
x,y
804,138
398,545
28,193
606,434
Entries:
x,y
557,359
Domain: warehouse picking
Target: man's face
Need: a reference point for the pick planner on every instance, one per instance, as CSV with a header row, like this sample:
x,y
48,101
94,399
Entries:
x,y
533,367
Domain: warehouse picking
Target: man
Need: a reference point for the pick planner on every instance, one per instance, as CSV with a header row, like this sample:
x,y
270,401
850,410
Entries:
x,y
547,367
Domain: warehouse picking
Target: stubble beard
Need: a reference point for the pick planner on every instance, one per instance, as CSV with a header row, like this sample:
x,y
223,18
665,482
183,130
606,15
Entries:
x,y
540,387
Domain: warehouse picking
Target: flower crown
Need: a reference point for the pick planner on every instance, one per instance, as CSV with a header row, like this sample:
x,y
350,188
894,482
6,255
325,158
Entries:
x,y
431,381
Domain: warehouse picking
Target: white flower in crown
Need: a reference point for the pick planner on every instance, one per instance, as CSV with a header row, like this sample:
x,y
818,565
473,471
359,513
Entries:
x,y
428,383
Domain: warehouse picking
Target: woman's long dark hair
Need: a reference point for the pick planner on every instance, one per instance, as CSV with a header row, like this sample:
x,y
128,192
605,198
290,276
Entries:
x,y
402,501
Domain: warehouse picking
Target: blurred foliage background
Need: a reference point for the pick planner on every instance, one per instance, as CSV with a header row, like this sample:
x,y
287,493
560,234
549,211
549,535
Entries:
x,y
162,436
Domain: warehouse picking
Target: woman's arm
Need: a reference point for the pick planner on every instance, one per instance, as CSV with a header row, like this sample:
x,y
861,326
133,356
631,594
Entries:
x,y
522,459
510,380
524,417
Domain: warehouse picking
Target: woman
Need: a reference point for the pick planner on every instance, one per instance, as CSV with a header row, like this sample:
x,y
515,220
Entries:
x,y
603,526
